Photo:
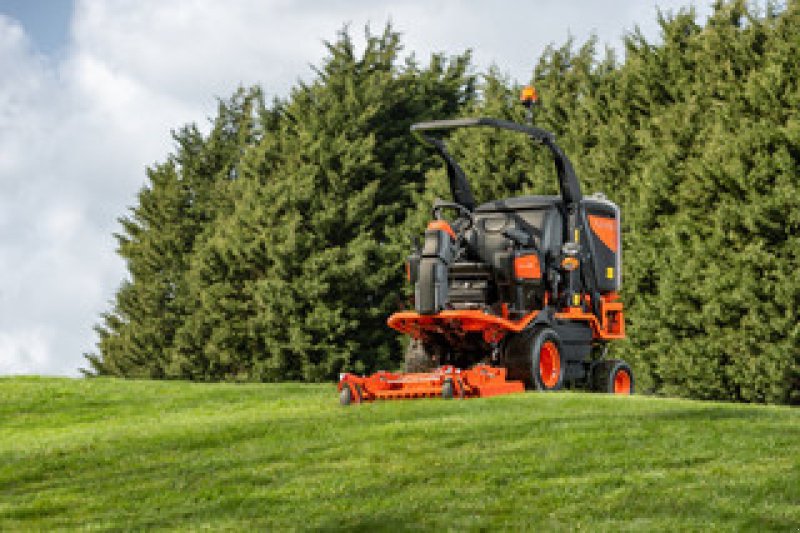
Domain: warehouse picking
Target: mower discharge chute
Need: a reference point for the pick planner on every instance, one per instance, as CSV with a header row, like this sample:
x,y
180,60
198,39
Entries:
x,y
526,286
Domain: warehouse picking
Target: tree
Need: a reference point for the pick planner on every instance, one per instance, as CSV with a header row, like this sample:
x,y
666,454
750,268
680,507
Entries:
x,y
182,199
292,273
272,247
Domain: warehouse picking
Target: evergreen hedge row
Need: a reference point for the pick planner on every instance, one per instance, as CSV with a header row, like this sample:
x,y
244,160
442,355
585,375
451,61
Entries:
x,y
271,248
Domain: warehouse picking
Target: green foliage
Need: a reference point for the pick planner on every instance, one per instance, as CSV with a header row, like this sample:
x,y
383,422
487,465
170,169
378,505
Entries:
x,y
265,251
712,238
272,247
696,139
106,454
176,209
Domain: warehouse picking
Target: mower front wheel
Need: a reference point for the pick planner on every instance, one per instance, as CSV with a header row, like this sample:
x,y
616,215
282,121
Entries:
x,y
613,376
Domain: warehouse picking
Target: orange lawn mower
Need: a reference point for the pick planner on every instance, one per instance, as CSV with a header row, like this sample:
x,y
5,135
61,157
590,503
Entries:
x,y
514,293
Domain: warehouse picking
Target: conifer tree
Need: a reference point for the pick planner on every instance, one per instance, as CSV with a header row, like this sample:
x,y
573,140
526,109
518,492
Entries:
x,y
272,247
180,201
297,280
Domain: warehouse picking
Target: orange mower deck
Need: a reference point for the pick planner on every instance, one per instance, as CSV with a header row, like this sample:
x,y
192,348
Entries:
x,y
480,381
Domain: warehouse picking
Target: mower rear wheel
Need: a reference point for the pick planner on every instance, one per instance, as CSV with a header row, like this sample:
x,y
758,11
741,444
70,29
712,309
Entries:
x,y
613,376
420,357
547,364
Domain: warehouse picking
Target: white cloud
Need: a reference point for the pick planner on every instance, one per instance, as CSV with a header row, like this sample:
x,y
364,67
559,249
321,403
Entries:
x,y
25,349
77,131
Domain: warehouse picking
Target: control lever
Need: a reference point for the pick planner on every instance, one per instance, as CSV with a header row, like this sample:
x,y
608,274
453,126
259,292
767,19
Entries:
x,y
519,237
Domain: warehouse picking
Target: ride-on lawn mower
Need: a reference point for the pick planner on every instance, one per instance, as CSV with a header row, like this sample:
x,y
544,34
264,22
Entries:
x,y
510,293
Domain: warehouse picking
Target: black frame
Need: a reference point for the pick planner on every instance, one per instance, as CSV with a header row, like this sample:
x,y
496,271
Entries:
x,y
568,181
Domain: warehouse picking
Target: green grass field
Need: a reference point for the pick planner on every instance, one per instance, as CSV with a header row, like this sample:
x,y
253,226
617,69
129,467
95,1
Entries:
x,y
111,454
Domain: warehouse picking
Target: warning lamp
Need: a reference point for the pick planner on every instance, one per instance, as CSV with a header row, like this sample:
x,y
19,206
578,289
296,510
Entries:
x,y
528,96
570,263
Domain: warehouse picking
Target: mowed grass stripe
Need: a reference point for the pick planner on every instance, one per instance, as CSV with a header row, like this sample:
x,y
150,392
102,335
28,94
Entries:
x,y
114,454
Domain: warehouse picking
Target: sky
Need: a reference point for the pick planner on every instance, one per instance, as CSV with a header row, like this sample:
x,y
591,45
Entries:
x,y
90,90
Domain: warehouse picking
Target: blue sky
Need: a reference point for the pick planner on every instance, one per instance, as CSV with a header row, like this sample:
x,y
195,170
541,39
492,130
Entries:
x,y
45,21
90,90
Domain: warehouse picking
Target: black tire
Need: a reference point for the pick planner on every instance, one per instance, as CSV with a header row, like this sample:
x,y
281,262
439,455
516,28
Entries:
x,y
613,376
522,358
420,357
345,396
447,389
547,362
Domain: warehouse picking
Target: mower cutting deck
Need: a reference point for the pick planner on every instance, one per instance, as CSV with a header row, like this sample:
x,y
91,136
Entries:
x,y
446,382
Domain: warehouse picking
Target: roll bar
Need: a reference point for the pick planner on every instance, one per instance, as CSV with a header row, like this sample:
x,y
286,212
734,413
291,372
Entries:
x,y
462,194
537,133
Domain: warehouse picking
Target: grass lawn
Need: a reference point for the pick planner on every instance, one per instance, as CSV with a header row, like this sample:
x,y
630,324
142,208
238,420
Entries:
x,y
113,454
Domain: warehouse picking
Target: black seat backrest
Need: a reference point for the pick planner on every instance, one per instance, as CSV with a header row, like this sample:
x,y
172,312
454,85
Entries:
x,y
543,223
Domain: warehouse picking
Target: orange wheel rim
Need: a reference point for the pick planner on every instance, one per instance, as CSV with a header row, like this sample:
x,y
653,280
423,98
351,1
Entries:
x,y
622,382
549,364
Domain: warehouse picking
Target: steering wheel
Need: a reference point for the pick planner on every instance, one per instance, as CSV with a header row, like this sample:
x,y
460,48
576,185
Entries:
x,y
438,205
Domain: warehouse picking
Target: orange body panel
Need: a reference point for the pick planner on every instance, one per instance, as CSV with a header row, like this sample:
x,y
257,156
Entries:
x,y
527,267
480,381
612,325
606,230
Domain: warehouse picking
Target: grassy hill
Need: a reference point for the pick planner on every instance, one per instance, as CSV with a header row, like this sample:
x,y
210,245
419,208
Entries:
x,y
107,453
